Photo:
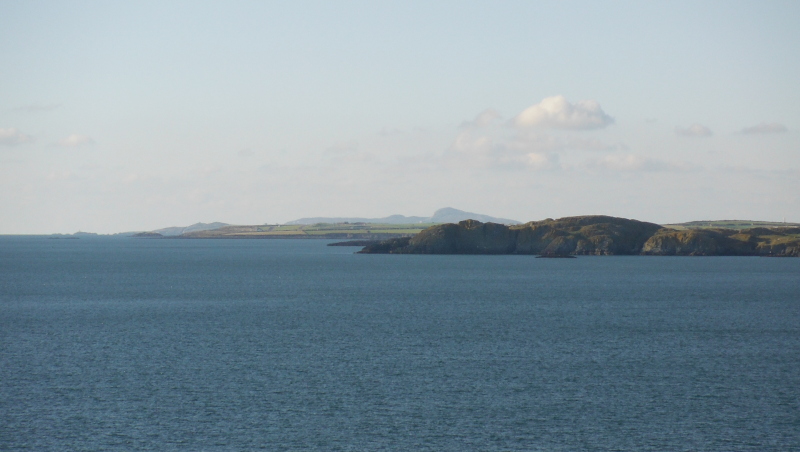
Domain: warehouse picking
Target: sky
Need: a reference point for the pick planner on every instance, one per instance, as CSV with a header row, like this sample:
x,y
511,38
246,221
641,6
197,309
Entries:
x,y
129,116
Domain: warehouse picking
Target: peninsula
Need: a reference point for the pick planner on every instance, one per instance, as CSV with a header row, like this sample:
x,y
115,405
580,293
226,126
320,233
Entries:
x,y
592,235
336,228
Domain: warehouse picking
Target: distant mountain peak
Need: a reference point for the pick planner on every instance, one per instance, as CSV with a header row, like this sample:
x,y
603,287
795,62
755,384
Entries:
x,y
447,210
443,215
451,215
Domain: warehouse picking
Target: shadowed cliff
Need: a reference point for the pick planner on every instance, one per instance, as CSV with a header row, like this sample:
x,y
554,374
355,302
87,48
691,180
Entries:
x,y
591,235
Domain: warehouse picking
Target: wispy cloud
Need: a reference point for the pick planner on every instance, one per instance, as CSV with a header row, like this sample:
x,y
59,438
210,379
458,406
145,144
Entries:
x,y
342,147
557,113
389,132
541,160
484,118
484,152
347,152
35,108
11,137
75,140
633,162
538,140
466,143
764,128
694,130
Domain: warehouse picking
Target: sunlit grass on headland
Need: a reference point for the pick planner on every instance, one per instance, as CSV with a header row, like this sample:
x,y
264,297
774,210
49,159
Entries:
x,y
318,230
730,224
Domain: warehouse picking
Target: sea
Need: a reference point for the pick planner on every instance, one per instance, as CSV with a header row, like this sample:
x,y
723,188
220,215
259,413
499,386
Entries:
x,y
156,344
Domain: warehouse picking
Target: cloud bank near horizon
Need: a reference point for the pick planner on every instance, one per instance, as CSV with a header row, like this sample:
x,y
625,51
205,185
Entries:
x,y
75,140
694,130
764,128
13,137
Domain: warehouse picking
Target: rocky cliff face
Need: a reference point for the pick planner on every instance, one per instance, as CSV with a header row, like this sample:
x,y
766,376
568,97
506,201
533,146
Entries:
x,y
466,237
696,242
574,235
597,234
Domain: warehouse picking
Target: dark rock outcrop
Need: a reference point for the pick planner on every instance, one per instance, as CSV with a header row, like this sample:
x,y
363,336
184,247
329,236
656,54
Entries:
x,y
148,235
360,243
387,246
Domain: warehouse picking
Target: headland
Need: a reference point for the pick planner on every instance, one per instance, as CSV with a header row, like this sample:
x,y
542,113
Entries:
x,y
592,235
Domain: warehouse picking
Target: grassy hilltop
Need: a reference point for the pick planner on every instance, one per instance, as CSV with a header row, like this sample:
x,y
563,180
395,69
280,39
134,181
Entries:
x,y
730,224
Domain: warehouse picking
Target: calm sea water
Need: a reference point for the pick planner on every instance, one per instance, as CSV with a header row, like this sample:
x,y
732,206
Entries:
x,y
123,344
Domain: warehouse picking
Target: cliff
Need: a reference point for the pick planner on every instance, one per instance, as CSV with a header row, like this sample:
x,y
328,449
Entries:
x,y
592,235
595,234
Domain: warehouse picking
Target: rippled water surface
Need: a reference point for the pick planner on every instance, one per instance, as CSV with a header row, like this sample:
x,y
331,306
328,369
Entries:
x,y
283,344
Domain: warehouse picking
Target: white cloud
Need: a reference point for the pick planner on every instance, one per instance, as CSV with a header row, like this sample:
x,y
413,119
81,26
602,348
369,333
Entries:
x,y
75,140
484,118
764,128
11,137
557,113
694,130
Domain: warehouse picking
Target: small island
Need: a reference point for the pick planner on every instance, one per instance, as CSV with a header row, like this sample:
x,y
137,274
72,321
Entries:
x,y
555,256
592,235
147,235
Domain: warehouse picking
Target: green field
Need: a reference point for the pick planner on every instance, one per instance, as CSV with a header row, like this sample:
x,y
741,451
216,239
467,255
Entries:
x,y
319,230
730,224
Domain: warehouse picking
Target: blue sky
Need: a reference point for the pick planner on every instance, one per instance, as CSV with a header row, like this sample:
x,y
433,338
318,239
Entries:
x,y
119,116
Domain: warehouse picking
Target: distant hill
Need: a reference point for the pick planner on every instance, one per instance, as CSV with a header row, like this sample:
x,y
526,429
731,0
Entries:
x,y
178,230
450,215
445,215
392,219
338,231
